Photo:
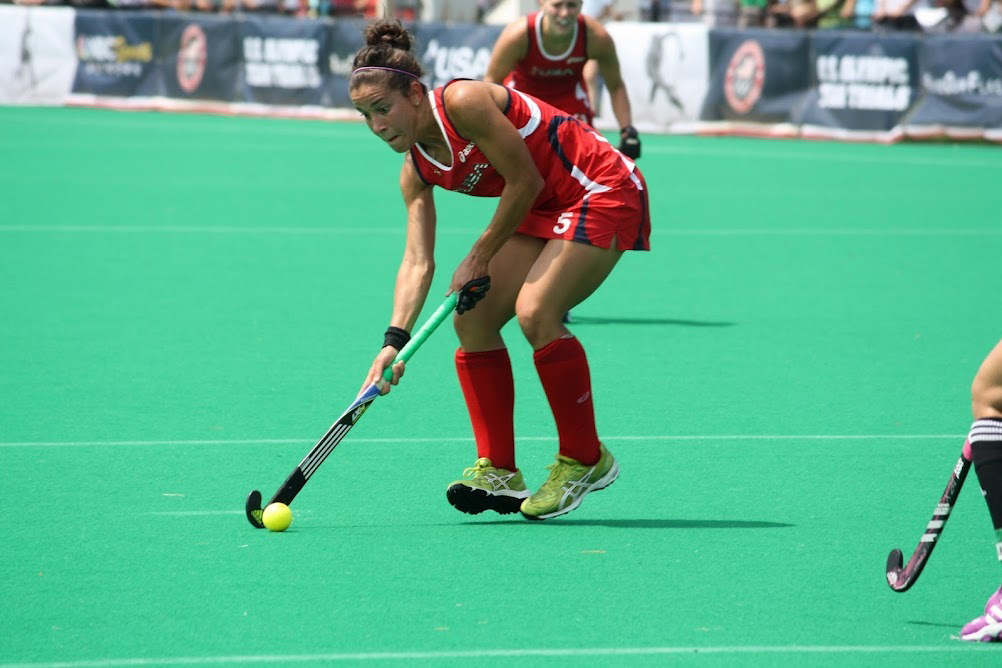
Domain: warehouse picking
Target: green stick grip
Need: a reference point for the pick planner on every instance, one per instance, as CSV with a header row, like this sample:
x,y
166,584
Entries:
x,y
419,337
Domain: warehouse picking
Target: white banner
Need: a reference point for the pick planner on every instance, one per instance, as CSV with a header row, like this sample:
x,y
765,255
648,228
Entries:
x,y
37,58
665,67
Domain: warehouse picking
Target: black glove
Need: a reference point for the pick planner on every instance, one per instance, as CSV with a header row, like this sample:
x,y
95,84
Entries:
x,y
471,293
629,144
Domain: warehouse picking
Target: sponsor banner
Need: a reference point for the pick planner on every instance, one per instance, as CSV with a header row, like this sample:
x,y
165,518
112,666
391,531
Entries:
x,y
665,67
115,54
756,76
961,82
344,39
199,57
861,81
454,51
283,60
36,54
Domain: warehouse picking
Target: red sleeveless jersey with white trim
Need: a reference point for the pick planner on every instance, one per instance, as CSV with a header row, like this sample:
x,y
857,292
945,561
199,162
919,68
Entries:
x,y
555,78
571,157
592,193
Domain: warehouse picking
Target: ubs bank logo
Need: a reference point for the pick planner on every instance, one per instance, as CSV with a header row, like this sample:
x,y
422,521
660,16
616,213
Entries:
x,y
745,77
191,57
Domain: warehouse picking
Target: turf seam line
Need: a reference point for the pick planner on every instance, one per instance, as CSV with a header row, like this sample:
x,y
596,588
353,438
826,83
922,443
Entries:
x,y
676,232
506,653
467,439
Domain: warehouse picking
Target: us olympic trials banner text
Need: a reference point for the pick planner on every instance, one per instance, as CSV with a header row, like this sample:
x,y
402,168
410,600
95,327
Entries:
x,y
283,60
862,81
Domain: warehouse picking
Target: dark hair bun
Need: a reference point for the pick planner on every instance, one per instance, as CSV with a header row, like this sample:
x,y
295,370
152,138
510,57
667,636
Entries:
x,y
390,32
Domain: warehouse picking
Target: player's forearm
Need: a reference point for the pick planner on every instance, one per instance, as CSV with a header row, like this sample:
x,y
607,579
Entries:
x,y
413,282
496,77
621,106
516,201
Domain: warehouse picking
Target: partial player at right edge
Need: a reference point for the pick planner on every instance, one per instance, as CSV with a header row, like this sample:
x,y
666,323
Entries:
x,y
986,452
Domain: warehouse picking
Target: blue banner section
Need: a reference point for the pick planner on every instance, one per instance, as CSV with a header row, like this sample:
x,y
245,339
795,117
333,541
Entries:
x,y
199,57
962,82
283,61
823,83
756,76
344,39
455,51
861,81
115,53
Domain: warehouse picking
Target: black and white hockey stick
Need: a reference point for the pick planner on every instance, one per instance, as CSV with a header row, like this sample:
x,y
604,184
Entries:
x,y
900,579
295,482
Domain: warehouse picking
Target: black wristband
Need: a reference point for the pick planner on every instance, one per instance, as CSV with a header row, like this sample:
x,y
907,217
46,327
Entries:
x,y
396,337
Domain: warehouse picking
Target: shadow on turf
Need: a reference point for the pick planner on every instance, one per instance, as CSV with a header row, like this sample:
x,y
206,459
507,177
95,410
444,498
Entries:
x,y
585,320
649,524
946,626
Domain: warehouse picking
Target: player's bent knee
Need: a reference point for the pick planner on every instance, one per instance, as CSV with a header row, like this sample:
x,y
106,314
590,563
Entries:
x,y
539,325
477,333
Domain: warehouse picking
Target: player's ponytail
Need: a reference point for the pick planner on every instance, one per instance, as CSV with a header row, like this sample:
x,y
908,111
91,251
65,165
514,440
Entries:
x,y
386,57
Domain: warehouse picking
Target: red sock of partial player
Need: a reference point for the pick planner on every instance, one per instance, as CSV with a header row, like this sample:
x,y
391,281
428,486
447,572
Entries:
x,y
563,370
490,399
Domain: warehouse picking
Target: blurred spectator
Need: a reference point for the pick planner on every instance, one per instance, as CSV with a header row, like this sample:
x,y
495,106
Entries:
x,y
654,10
897,14
991,15
792,14
974,15
451,11
829,15
716,12
742,13
484,8
599,9
751,13
858,13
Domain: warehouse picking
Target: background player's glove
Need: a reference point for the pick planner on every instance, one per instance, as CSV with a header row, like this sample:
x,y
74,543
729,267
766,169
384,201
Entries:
x,y
471,293
629,144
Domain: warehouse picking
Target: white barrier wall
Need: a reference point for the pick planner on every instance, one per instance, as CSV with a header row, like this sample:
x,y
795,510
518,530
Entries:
x,y
37,59
665,68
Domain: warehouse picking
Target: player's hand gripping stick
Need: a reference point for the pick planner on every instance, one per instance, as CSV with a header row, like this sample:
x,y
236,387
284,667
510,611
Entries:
x,y
295,482
471,293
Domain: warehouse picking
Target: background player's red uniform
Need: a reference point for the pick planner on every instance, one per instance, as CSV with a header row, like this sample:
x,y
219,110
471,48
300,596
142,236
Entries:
x,y
556,78
592,192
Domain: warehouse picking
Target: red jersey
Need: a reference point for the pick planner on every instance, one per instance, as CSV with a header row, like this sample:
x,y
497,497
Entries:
x,y
581,170
554,78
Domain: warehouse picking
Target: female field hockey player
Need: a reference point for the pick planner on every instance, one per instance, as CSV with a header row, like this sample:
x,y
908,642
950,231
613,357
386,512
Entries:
x,y
544,55
985,441
570,205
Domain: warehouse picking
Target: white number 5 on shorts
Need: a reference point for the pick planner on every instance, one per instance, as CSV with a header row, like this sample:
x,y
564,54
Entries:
x,y
563,222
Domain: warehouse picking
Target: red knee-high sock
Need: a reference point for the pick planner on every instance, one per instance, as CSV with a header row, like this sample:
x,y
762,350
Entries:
x,y
489,391
563,370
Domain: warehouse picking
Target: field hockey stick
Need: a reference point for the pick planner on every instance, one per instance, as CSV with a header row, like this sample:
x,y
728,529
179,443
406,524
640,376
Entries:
x,y
295,482
900,579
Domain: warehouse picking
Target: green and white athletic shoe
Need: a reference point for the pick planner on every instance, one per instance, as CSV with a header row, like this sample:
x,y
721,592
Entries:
x,y
488,488
569,482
